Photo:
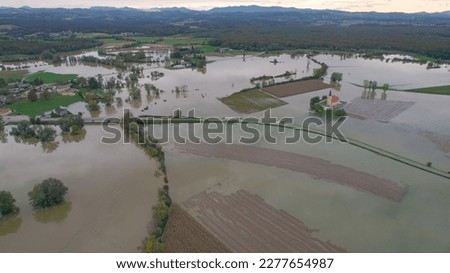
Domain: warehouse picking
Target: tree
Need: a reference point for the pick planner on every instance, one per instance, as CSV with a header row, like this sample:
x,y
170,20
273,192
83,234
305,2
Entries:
x,y
7,204
93,105
45,95
75,130
374,86
82,81
48,193
2,126
67,123
336,77
23,129
313,102
32,96
93,83
45,134
340,113
38,81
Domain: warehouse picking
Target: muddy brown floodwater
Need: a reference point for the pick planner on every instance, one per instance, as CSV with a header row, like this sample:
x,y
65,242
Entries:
x,y
112,189
316,167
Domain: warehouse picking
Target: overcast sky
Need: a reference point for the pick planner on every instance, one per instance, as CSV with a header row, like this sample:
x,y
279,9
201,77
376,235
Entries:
x,y
350,5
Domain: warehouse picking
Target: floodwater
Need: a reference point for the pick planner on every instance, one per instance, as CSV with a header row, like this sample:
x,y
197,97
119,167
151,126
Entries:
x,y
354,220
357,221
112,189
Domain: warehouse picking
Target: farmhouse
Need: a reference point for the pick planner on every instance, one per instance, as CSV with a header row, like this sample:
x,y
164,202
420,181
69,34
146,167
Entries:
x,y
60,112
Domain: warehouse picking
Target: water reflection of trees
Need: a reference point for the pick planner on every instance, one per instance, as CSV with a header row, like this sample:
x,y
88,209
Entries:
x,y
10,225
202,70
29,141
95,114
69,138
47,147
110,110
369,95
55,214
149,98
136,103
336,86
50,147
3,138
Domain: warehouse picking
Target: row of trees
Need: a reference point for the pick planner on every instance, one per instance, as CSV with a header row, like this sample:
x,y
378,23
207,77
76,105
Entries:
x,y
48,193
154,242
45,48
72,124
26,130
161,212
429,41
2,126
33,95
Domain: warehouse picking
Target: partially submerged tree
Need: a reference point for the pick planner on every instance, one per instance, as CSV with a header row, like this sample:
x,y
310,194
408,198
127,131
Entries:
x,y
2,126
45,134
48,193
336,77
68,123
23,129
7,204
313,102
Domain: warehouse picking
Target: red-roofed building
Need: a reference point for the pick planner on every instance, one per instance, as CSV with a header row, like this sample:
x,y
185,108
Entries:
x,y
333,101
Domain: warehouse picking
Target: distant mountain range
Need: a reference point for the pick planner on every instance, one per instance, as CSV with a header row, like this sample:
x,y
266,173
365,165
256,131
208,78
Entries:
x,y
31,20
241,27
231,9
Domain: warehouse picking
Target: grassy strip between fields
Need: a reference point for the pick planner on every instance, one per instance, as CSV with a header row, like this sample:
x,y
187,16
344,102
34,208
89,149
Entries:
x,y
251,101
49,77
437,90
39,107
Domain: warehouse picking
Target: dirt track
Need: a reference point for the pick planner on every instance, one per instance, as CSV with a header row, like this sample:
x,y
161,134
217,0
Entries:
x,y
185,235
245,223
295,88
315,167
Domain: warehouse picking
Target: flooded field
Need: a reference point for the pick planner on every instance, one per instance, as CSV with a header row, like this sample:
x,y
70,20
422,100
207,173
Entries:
x,y
112,189
354,220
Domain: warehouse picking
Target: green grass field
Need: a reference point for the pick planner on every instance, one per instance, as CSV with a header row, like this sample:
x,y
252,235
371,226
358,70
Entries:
x,y
39,107
13,75
251,101
209,48
48,77
425,58
437,90
171,40
91,35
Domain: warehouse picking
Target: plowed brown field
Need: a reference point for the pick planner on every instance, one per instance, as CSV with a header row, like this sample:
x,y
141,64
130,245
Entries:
x,y
246,223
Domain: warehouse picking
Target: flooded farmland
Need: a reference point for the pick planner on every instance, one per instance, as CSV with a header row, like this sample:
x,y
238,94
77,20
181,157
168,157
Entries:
x,y
351,219
108,208
112,188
